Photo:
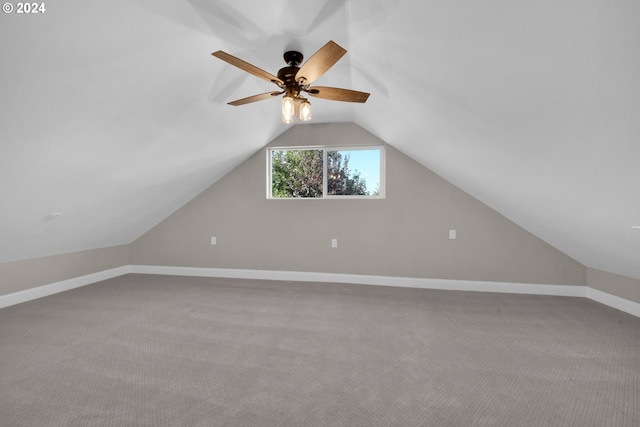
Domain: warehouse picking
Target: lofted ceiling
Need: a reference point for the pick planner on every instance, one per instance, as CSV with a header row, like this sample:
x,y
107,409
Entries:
x,y
114,114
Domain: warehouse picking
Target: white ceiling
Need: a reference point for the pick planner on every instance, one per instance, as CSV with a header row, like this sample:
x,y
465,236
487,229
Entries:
x,y
114,113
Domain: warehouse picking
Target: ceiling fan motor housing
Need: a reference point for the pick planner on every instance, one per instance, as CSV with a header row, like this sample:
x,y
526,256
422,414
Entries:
x,y
288,76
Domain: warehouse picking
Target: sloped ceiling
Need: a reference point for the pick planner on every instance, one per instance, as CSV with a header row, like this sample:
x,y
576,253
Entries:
x,y
114,114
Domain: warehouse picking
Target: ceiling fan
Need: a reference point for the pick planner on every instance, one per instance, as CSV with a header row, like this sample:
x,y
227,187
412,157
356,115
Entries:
x,y
294,80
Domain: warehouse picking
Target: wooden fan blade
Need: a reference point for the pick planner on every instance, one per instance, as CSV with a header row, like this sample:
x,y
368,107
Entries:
x,y
337,94
245,66
320,62
255,98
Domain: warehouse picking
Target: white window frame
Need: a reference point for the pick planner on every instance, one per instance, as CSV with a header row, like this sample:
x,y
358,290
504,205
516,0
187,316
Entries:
x,y
325,148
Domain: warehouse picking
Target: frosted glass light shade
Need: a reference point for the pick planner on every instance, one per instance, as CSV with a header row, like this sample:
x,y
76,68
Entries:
x,y
288,109
305,111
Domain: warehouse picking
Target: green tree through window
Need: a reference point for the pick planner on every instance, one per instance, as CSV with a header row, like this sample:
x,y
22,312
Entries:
x,y
340,180
298,173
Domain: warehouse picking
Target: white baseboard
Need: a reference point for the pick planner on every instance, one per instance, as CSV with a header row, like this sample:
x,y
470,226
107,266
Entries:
x,y
614,301
300,276
63,285
405,282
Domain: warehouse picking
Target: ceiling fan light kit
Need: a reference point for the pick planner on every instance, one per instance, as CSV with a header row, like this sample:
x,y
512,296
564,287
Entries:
x,y
293,80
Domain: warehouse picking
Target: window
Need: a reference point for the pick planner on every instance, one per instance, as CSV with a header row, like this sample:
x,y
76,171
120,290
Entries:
x,y
326,172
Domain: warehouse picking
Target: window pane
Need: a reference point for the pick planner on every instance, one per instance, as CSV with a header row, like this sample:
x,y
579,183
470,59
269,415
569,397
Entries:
x,y
296,173
353,172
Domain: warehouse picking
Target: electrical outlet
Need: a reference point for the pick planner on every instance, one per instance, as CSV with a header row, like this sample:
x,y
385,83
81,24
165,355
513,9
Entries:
x,y
334,243
213,240
452,234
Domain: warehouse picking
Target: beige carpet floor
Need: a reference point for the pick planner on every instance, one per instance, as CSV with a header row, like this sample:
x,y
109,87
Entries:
x,y
142,350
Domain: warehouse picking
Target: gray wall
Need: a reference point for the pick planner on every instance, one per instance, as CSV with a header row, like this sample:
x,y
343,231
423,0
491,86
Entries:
x,y
405,234
624,287
30,273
